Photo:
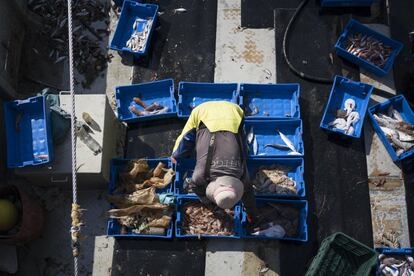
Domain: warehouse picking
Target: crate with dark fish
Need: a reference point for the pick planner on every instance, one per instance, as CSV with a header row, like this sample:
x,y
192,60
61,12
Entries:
x,y
367,48
340,254
184,169
135,27
393,120
346,107
28,132
191,94
274,138
270,101
277,177
281,219
346,3
140,194
146,101
395,261
195,220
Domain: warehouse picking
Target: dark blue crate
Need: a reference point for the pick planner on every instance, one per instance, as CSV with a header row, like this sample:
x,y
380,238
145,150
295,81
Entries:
x,y
342,90
356,27
113,226
295,167
191,94
182,199
119,3
346,3
393,252
274,101
302,227
28,132
265,132
400,104
182,167
129,13
156,91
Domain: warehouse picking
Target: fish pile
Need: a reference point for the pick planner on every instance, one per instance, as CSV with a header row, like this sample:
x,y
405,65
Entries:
x,y
396,265
399,133
139,208
200,220
254,146
368,48
280,220
346,118
90,58
187,184
274,180
152,109
139,38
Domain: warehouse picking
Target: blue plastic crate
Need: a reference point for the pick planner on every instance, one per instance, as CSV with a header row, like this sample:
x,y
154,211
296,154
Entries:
x,y
28,132
118,164
393,252
356,27
156,91
129,13
182,199
342,90
119,3
400,104
182,167
294,166
265,132
346,3
273,101
302,226
191,94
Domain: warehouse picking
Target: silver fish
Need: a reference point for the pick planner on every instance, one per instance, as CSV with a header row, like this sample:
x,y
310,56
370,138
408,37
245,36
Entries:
x,y
254,111
250,135
179,10
287,141
353,118
255,146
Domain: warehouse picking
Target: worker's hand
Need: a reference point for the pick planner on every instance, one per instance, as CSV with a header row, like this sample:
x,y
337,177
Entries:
x,y
206,202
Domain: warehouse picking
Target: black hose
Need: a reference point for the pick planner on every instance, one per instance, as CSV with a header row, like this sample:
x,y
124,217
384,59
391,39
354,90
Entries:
x,y
294,70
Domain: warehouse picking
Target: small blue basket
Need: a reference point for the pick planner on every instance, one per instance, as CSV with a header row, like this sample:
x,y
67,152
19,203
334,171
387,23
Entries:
x,y
129,13
400,104
28,132
346,3
265,132
114,228
342,90
356,27
182,200
182,167
119,3
294,167
273,101
157,91
395,252
191,94
302,226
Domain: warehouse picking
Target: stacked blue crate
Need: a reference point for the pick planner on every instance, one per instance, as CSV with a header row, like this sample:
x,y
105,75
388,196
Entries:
x,y
273,110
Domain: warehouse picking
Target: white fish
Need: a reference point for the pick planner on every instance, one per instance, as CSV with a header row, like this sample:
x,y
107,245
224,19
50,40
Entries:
x,y
274,231
250,135
294,153
404,137
350,130
179,10
255,145
338,123
349,106
287,141
388,131
353,117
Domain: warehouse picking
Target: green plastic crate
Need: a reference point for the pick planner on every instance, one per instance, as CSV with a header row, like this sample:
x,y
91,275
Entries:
x,y
340,254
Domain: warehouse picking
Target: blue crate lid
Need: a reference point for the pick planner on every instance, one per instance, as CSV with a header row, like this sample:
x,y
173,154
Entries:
x,y
400,104
302,226
346,3
294,166
113,227
131,11
273,101
182,199
191,94
28,132
157,91
356,27
265,132
343,89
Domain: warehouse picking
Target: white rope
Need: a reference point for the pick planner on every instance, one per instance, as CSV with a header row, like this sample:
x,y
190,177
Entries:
x,y
74,229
